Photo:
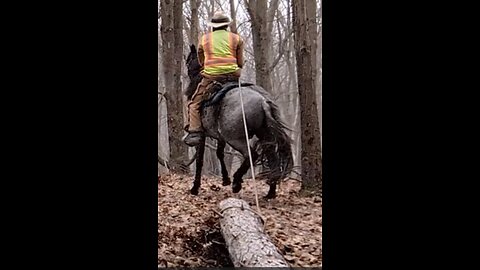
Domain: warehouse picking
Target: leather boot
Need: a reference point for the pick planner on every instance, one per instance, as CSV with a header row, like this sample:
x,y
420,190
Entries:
x,y
194,138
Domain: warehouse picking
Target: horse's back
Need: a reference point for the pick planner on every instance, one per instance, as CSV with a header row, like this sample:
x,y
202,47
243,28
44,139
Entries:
x,y
230,120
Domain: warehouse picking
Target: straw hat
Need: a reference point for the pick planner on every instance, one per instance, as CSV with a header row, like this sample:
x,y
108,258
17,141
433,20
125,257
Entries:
x,y
219,19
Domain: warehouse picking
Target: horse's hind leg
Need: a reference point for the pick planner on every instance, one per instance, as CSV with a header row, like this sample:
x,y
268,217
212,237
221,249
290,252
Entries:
x,y
272,190
198,167
220,155
237,176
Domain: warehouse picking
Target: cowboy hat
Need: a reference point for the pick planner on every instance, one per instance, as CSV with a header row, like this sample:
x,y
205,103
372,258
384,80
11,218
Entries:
x,y
219,19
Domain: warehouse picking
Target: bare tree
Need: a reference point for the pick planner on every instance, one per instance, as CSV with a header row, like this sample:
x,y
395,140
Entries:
x,y
233,15
305,35
194,28
172,55
212,8
319,68
261,30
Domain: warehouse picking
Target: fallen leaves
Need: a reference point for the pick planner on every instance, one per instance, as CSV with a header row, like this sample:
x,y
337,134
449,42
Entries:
x,y
189,233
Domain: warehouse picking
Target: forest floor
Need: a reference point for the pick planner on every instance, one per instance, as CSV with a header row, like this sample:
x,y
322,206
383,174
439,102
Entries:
x,y
189,231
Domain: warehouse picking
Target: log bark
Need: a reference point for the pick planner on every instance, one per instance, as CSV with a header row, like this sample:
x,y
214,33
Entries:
x,y
245,237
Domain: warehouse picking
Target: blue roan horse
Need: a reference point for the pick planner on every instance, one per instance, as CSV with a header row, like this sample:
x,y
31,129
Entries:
x,y
223,121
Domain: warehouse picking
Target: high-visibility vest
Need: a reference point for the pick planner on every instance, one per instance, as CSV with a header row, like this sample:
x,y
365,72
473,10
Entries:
x,y
220,52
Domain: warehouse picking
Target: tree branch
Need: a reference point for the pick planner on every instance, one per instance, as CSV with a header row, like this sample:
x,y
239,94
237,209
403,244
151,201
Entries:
x,y
281,51
220,5
270,15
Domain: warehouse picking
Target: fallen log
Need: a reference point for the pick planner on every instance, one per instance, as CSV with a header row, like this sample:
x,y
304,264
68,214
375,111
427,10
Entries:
x,y
245,237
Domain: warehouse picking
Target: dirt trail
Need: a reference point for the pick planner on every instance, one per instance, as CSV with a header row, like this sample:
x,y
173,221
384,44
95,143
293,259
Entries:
x,y
189,232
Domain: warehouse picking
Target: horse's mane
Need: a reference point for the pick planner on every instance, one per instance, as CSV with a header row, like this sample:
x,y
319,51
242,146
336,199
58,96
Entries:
x,y
193,68
192,86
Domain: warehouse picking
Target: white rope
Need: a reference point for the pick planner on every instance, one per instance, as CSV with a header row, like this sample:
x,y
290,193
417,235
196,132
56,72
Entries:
x,y
252,169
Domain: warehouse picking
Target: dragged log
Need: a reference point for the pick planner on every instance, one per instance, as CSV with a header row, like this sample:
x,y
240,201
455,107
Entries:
x,y
245,237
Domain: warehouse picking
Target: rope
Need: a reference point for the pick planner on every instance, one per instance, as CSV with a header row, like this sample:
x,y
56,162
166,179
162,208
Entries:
x,y
252,169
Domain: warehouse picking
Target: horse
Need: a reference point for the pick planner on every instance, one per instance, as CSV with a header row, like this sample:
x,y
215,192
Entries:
x,y
222,120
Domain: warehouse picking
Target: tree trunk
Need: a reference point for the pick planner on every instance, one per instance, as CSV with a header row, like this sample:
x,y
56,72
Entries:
x,y
172,50
228,158
261,41
212,8
305,56
194,25
233,15
319,69
211,164
293,107
245,237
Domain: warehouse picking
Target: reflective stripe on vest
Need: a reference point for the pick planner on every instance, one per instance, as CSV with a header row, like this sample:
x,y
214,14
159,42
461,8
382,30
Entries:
x,y
220,52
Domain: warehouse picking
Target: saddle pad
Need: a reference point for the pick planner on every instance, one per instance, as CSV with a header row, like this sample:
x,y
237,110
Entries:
x,y
218,95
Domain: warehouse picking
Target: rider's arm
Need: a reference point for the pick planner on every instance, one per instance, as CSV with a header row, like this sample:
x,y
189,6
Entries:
x,y
201,56
240,53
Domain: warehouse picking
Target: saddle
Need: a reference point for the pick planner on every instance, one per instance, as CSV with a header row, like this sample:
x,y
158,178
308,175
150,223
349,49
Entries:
x,y
218,91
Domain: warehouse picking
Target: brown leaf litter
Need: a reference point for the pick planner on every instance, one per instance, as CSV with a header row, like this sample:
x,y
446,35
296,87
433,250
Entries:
x,y
189,231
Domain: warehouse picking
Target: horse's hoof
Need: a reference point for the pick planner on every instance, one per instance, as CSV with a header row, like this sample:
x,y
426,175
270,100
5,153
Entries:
x,y
194,191
270,196
236,187
226,182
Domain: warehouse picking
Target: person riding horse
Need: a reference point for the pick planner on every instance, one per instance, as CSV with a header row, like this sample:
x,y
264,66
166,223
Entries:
x,y
220,54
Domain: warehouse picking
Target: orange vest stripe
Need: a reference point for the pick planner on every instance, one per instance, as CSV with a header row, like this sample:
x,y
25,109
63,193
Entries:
x,y
230,44
210,42
217,60
233,40
208,45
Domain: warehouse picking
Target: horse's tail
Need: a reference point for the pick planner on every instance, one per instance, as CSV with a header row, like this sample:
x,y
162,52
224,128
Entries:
x,y
275,152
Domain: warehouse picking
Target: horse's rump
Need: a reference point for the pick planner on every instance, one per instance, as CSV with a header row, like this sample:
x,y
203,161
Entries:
x,y
224,121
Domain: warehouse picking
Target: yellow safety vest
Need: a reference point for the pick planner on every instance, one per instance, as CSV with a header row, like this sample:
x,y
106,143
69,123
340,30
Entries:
x,y
220,52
